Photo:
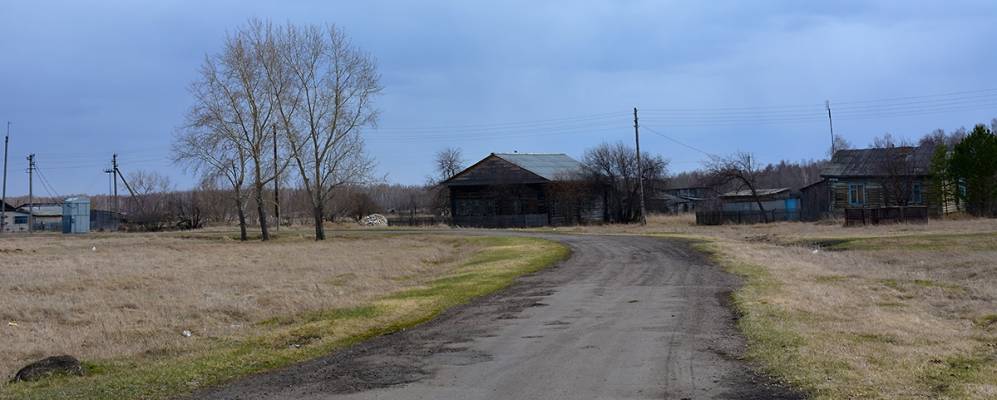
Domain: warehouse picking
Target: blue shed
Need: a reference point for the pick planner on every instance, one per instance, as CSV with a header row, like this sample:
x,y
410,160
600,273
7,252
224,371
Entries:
x,y
76,215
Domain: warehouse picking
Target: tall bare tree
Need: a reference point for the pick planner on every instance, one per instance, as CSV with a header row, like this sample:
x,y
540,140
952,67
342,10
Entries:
x,y
216,158
236,101
323,87
211,141
741,170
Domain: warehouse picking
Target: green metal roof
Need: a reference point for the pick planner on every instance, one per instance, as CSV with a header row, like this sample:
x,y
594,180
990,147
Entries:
x,y
548,166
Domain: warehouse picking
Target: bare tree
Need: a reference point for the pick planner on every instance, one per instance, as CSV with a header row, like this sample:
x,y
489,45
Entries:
x,y
235,100
897,167
741,170
324,87
840,143
449,162
210,144
148,207
614,167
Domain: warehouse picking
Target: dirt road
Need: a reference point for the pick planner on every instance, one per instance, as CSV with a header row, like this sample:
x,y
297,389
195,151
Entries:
x,y
624,318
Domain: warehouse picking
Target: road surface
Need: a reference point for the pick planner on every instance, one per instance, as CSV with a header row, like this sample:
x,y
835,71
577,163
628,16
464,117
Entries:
x,y
623,318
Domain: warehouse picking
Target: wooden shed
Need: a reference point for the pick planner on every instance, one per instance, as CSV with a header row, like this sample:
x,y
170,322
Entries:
x,y
524,190
815,201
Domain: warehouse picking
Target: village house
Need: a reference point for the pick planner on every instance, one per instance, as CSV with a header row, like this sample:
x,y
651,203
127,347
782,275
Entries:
x,y
874,178
523,190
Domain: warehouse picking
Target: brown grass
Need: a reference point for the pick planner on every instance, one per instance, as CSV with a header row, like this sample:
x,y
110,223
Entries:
x,y
892,311
136,293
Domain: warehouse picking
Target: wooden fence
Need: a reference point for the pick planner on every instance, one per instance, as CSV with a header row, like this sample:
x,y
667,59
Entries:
x,y
886,215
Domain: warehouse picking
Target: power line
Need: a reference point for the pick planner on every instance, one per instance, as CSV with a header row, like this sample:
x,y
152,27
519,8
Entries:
x,y
508,125
991,90
679,142
46,184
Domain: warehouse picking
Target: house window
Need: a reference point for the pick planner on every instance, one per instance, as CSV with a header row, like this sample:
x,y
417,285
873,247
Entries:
x,y
20,220
856,194
916,196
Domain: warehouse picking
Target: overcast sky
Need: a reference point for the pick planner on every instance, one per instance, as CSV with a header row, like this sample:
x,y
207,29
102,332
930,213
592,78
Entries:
x,y
82,80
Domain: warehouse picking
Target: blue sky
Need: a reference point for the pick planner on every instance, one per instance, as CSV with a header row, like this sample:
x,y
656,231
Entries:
x,y
82,80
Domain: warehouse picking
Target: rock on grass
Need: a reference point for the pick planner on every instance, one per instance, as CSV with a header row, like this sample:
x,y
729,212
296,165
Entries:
x,y
61,365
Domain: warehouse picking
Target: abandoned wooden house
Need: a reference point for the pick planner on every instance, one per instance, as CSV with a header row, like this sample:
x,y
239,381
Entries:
x,y
524,190
873,178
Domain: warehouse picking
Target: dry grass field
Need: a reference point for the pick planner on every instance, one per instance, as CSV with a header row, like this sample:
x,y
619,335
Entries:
x,y
120,302
891,312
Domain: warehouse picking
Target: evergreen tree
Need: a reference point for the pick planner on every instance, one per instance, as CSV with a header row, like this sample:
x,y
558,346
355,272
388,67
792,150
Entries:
x,y
942,188
974,164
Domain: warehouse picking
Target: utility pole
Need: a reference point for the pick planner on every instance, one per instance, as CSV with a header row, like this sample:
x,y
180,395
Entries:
x,y
830,122
114,169
276,182
110,193
31,193
3,199
640,171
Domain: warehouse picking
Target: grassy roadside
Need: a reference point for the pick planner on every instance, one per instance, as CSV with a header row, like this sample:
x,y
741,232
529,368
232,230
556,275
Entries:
x,y
297,338
882,318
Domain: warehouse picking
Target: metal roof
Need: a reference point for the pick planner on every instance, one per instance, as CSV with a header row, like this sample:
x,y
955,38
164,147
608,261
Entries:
x,y
760,192
42,209
870,162
548,166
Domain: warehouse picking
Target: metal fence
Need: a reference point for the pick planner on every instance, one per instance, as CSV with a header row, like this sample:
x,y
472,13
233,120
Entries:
x,y
886,215
745,217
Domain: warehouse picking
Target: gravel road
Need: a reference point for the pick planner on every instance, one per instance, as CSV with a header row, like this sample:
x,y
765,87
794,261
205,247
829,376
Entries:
x,y
623,318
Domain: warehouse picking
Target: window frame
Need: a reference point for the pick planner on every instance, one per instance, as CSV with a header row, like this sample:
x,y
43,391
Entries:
x,y
917,193
856,190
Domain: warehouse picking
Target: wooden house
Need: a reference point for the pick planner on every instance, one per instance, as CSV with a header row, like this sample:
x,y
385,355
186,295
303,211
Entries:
x,y
873,178
523,190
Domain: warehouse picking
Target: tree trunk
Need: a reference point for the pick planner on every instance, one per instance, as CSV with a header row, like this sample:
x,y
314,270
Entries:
x,y
758,201
318,211
264,231
243,236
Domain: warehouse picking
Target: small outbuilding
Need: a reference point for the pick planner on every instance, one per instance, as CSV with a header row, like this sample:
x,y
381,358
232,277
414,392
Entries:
x,y
45,216
76,215
524,190
779,200
14,220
